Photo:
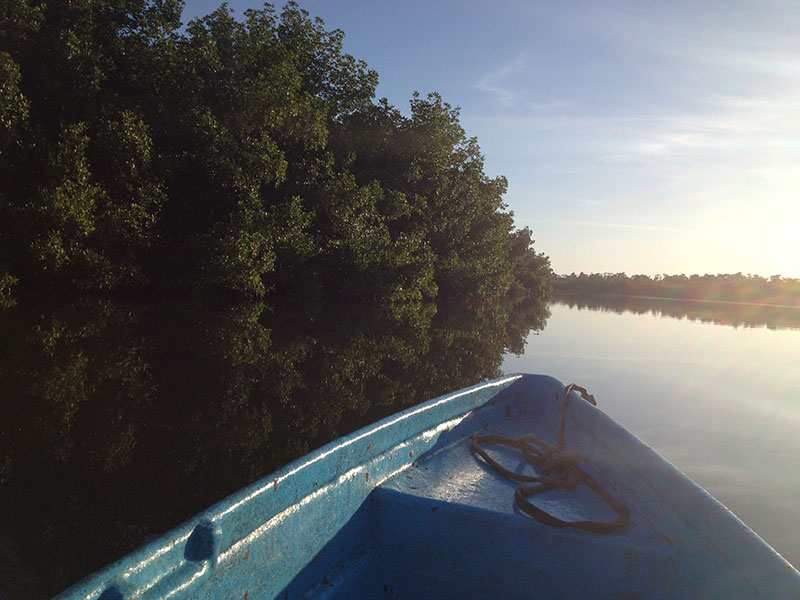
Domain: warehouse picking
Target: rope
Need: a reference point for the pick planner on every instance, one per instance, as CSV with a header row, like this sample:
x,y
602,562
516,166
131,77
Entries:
x,y
562,464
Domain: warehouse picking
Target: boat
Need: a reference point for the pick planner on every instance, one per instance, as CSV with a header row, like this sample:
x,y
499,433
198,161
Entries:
x,y
421,505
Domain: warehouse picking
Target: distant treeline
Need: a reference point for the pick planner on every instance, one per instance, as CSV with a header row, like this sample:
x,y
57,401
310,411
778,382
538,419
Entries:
x,y
249,158
733,314
723,288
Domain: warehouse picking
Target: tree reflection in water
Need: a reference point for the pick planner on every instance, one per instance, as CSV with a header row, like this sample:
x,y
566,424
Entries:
x,y
734,314
124,419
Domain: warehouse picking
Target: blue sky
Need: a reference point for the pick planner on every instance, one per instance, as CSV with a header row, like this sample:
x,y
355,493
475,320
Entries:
x,y
637,136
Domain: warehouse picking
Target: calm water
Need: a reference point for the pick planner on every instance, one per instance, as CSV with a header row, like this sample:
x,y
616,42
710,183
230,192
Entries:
x,y
120,420
714,388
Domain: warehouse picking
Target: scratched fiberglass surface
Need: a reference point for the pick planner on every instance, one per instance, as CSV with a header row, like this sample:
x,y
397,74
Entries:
x,y
454,474
451,520
453,512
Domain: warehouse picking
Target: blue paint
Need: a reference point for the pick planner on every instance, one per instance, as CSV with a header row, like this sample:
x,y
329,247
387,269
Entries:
x,y
403,509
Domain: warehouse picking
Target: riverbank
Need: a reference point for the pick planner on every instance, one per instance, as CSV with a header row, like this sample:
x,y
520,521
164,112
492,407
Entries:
x,y
731,288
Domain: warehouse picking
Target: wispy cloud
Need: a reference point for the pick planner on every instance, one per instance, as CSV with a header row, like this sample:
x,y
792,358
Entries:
x,y
681,119
509,88
736,36
497,82
718,132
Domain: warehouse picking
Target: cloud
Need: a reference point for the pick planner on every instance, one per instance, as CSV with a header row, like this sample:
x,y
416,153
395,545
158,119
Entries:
x,y
496,82
734,34
509,90
718,132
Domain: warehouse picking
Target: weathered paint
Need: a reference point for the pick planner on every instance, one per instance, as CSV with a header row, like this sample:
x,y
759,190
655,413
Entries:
x,y
359,519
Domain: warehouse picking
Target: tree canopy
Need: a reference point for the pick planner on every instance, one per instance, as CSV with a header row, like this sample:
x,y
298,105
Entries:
x,y
244,157
235,159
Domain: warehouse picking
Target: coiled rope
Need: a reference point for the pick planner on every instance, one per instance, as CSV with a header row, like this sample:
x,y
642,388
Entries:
x,y
564,466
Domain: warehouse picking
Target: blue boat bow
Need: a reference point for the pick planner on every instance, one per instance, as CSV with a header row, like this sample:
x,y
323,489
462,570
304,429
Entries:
x,y
405,509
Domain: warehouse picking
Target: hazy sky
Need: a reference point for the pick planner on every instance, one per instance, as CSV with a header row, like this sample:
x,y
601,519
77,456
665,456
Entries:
x,y
638,136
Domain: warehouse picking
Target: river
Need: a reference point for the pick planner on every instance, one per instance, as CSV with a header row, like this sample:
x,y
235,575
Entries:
x,y
121,419
714,388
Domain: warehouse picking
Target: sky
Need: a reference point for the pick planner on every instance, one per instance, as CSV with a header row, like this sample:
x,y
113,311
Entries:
x,y
641,136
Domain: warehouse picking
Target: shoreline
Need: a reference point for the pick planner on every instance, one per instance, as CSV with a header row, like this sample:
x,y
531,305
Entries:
x,y
557,292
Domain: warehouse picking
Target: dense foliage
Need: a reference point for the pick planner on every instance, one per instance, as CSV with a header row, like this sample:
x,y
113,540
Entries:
x,y
243,157
725,288
244,160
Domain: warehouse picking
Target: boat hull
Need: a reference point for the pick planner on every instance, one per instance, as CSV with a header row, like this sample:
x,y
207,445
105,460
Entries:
x,y
405,509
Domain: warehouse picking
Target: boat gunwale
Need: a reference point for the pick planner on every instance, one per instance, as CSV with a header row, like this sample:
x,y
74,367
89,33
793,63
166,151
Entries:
x,y
120,572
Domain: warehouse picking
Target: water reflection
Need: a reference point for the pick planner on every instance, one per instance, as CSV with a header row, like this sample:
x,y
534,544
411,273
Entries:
x,y
124,419
722,313
712,387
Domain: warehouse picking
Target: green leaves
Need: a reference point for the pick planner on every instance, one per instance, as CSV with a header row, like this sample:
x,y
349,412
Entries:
x,y
65,209
244,157
13,105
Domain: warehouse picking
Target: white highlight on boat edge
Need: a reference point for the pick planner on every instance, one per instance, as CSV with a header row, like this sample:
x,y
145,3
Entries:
x,y
344,444
426,436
